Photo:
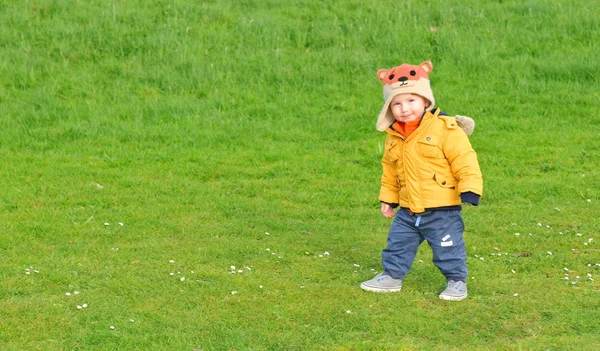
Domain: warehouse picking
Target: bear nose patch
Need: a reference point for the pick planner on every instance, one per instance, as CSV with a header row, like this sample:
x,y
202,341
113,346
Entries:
x,y
403,79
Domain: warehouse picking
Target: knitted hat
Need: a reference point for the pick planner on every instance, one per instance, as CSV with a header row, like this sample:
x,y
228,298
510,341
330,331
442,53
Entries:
x,y
404,79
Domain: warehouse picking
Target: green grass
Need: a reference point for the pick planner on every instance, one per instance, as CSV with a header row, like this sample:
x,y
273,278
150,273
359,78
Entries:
x,y
201,126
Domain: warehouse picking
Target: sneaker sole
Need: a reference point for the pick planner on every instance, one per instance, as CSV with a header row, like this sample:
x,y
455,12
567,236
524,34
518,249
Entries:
x,y
374,289
453,298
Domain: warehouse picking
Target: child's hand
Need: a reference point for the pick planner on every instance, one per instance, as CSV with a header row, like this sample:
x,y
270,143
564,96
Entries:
x,y
387,210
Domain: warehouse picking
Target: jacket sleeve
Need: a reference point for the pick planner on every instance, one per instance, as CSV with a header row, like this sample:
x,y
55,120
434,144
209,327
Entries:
x,y
463,162
470,198
389,180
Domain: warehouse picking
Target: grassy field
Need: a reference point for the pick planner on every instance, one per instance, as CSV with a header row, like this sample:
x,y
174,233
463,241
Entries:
x,y
203,175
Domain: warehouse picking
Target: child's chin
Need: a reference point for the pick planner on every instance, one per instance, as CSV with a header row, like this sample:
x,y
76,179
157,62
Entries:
x,y
405,120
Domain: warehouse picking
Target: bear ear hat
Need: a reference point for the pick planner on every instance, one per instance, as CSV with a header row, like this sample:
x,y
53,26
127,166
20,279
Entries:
x,y
420,86
426,66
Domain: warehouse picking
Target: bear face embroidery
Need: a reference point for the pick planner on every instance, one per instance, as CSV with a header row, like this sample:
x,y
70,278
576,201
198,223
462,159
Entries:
x,y
405,75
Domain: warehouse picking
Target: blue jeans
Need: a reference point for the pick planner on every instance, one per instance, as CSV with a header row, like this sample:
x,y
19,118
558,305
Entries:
x,y
443,231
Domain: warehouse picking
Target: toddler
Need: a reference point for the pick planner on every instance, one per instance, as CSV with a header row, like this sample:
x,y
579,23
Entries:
x,y
429,170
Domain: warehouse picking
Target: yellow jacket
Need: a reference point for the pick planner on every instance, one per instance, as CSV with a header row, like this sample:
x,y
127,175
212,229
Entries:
x,y
430,168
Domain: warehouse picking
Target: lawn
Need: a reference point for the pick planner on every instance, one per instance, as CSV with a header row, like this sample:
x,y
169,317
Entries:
x,y
203,175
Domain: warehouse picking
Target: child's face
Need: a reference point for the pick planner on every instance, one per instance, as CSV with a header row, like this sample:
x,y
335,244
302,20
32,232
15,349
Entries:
x,y
408,107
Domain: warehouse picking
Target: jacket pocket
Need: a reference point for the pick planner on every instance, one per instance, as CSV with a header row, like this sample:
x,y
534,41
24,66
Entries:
x,y
428,147
444,182
392,154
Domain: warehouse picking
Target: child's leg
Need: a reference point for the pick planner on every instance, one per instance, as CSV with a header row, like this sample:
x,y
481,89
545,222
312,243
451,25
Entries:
x,y
402,244
443,231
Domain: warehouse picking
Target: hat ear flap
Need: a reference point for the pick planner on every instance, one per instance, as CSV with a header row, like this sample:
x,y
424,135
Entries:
x,y
427,66
381,74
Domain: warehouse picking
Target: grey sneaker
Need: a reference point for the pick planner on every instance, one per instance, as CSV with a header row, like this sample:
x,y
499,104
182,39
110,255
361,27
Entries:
x,y
382,283
455,291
